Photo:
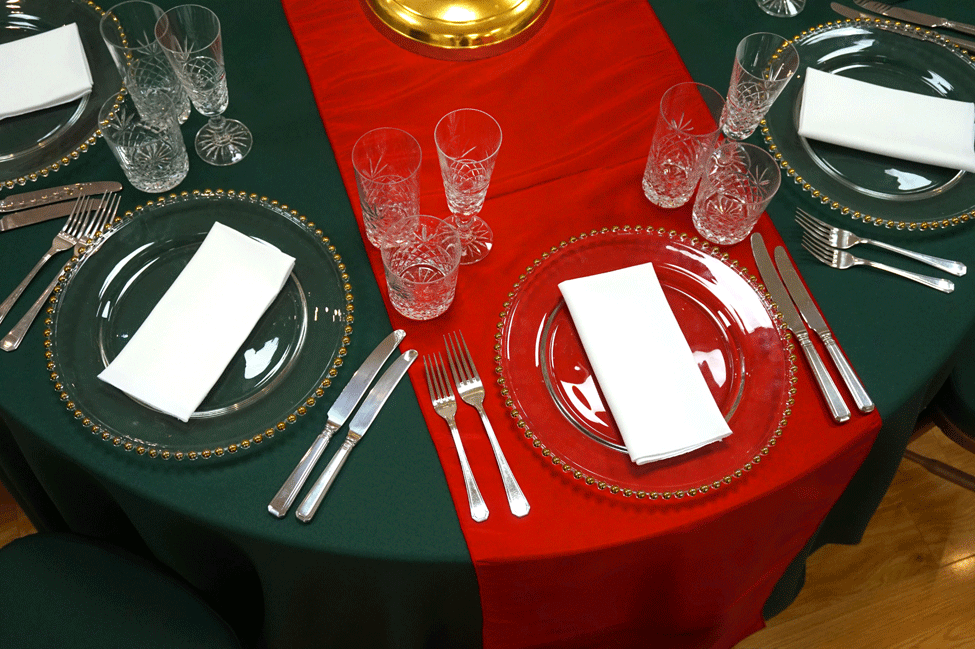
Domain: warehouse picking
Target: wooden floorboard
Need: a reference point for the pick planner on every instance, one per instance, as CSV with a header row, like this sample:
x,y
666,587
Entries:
x,y
909,584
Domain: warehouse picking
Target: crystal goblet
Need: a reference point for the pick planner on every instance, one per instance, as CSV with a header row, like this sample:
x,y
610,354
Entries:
x,y
468,141
190,35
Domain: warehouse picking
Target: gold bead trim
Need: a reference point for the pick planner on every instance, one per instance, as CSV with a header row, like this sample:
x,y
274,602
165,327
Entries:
x,y
66,159
244,443
890,224
618,490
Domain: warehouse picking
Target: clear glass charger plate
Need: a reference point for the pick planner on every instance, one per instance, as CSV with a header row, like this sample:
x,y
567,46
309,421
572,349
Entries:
x,y
876,189
37,144
729,323
281,370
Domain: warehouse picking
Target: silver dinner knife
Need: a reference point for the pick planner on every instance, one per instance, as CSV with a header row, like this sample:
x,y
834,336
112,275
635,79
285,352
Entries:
x,y
40,197
834,400
815,320
346,402
849,12
34,215
916,17
360,424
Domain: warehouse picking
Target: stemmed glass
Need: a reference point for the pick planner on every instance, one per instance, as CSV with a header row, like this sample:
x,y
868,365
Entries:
x,y
190,35
468,141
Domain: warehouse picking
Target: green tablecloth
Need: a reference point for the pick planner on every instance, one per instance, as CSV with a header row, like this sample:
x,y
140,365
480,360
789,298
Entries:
x,y
396,550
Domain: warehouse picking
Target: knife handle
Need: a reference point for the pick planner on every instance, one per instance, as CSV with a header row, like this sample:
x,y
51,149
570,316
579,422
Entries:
x,y
314,498
834,399
289,490
860,396
959,27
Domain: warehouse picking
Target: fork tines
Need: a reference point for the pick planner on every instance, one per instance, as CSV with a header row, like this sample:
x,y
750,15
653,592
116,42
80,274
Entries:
x,y
811,224
437,382
818,249
464,369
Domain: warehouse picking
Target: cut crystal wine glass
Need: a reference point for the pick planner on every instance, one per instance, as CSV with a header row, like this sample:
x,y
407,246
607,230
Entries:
x,y
190,35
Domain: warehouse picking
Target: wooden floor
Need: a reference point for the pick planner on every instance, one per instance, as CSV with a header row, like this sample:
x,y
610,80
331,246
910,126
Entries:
x,y
909,584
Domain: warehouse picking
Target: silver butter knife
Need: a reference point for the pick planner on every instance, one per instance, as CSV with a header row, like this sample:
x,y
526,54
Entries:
x,y
40,197
815,320
849,12
916,17
346,402
360,424
40,214
834,400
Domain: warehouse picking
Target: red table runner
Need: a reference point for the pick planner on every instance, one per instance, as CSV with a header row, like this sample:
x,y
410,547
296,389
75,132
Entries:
x,y
576,103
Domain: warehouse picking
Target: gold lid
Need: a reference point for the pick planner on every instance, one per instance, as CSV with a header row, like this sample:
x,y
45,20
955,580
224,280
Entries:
x,y
462,30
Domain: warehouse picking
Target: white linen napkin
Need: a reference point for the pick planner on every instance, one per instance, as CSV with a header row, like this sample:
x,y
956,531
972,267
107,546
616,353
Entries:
x,y
895,123
42,71
176,356
644,366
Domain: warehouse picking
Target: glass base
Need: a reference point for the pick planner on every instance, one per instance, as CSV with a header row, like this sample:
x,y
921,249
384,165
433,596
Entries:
x,y
781,8
477,243
223,142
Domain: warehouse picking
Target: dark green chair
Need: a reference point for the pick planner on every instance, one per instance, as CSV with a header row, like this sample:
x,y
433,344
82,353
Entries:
x,y
953,411
63,590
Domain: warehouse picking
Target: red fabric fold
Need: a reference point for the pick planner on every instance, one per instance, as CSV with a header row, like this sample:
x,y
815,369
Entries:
x,y
576,104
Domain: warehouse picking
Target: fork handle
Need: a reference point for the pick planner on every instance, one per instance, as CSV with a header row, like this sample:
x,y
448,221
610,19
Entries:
x,y
12,298
516,498
947,265
943,285
13,339
479,510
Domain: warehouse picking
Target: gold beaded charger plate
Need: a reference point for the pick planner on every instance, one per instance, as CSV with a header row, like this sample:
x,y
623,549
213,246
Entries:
x,y
876,189
281,370
729,323
39,143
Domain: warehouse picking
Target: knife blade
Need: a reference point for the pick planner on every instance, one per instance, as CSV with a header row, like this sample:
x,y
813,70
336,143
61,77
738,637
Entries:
x,y
849,12
834,400
40,214
346,402
360,424
916,17
815,320
56,194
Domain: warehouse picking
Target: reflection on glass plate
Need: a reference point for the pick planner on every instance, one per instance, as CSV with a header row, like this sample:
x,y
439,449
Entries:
x,y
876,189
282,369
34,145
728,321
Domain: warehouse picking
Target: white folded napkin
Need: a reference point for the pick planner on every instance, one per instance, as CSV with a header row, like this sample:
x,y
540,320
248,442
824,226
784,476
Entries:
x,y
42,71
192,334
895,123
643,364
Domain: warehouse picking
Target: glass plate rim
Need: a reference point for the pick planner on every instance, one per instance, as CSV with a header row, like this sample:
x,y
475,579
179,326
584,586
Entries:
x,y
309,400
84,144
909,31
785,337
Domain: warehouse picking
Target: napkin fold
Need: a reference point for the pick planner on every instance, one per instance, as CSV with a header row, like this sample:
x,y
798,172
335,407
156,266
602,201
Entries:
x,y
895,123
42,71
644,366
191,335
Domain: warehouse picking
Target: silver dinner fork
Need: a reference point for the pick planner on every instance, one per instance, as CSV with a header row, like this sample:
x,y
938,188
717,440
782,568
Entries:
x,y
102,216
843,260
67,237
844,239
471,392
445,405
